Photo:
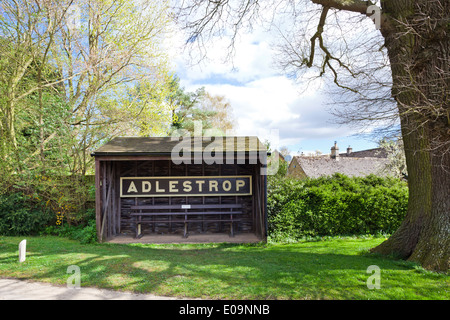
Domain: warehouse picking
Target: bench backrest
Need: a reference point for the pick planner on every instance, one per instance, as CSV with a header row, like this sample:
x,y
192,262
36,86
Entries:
x,y
187,206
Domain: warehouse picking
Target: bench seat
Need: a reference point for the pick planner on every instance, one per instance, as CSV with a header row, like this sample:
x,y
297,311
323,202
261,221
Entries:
x,y
186,211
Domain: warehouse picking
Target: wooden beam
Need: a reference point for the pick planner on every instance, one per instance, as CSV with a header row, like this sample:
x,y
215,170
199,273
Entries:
x,y
132,158
168,157
266,222
106,223
98,210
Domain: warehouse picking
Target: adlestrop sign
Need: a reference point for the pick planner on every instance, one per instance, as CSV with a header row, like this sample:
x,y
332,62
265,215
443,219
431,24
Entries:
x,y
185,186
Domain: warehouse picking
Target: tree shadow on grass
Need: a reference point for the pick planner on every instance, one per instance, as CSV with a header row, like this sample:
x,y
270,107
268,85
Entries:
x,y
227,271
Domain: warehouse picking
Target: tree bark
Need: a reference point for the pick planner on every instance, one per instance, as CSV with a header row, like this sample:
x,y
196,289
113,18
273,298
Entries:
x,y
433,248
432,66
418,48
403,242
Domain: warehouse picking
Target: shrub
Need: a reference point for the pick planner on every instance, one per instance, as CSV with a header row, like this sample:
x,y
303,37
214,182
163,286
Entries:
x,y
49,205
336,205
84,233
22,215
67,196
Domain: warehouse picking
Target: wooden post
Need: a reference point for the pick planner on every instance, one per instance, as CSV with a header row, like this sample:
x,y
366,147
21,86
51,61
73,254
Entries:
x,y
265,209
106,205
98,201
116,196
22,250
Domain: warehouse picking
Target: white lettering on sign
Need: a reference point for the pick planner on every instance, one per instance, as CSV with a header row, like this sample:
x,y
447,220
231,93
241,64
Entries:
x,y
146,186
226,185
185,186
239,184
132,187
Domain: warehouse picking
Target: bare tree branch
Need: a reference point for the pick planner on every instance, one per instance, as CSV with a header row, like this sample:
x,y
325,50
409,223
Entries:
x,y
347,5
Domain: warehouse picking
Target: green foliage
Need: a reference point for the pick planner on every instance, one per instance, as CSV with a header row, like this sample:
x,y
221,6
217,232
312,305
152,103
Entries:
x,y
67,196
214,113
22,215
82,233
336,205
57,206
55,109
278,165
186,110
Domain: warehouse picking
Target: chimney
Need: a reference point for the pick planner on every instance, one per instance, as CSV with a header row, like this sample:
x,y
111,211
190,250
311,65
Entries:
x,y
335,151
349,150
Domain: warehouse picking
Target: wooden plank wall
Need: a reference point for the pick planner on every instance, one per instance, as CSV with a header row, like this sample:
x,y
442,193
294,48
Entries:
x,y
113,212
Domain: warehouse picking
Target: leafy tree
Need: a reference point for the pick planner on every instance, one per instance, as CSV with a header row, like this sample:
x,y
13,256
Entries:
x,y
222,119
214,112
26,32
105,63
74,73
117,72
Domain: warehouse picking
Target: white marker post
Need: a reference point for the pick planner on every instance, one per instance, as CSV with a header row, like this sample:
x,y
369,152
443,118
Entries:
x,y
22,250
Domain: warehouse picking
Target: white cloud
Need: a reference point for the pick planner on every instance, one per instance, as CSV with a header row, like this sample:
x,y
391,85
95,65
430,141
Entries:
x,y
261,98
275,103
259,101
252,60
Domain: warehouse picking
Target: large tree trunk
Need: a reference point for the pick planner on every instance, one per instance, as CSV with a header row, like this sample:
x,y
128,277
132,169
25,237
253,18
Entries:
x,y
417,40
433,249
403,242
432,67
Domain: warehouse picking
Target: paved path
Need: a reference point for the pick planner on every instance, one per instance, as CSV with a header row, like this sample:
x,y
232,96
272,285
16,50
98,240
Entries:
x,y
12,289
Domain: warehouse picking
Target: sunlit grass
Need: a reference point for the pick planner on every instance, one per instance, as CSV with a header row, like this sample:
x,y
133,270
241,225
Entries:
x,y
331,269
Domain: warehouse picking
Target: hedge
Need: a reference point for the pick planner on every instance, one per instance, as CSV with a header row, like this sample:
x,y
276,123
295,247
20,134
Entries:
x,y
19,215
336,205
30,212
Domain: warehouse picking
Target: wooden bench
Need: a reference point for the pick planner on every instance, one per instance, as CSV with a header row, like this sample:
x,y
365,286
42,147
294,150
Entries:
x,y
221,213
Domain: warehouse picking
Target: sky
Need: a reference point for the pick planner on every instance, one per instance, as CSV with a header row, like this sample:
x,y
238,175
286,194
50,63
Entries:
x,y
265,102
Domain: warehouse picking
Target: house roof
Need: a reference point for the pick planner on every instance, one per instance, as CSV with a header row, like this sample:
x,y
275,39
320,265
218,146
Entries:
x,y
372,153
325,166
165,145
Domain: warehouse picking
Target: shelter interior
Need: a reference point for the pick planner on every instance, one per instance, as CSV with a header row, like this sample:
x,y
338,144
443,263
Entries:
x,y
150,157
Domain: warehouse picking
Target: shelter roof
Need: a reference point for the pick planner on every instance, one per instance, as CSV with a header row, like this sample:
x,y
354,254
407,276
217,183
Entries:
x,y
166,145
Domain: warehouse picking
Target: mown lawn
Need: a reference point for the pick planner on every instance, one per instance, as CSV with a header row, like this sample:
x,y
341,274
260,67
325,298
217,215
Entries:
x,y
331,269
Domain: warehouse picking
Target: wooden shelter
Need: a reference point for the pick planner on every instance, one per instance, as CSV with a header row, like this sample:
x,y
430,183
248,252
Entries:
x,y
164,185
